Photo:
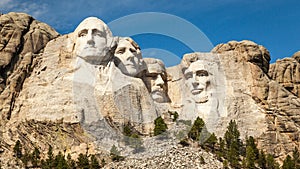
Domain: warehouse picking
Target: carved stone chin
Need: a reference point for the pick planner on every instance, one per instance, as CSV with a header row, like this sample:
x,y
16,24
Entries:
x,y
202,100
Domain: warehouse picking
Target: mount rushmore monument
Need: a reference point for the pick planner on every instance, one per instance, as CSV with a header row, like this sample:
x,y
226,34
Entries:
x,y
96,83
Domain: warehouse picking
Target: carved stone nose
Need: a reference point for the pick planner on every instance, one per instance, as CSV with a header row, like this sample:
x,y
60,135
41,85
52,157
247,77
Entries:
x,y
195,83
91,42
159,81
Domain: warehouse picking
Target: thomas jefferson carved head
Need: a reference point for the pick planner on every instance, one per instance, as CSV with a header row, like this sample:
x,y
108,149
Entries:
x,y
128,58
94,41
156,80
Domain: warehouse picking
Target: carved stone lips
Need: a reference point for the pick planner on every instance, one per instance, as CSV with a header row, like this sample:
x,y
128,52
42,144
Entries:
x,y
197,91
129,64
89,47
157,89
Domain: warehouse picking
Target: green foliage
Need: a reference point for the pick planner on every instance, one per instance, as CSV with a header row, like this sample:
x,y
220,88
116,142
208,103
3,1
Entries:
x,y
26,157
252,153
127,130
233,144
103,163
296,158
71,163
33,160
221,151
94,163
271,163
174,115
160,126
83,161
35,157
132,139
250,158
262,162
225,164
202,161
196,129
115,154
211,141
49,163
184,142
114,150
18,149
288,163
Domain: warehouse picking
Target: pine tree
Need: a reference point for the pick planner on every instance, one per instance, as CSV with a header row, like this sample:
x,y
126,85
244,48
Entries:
x,y
202,161
221,150
270,162
288,163
35,157
127,130
250,158
94,163
71,163
136,143
115,154
262,162
160,126
83,161
49,162
225,164
60,161
196,129
212,141
233,144
103,163
18,149
26,158
296,158
252,152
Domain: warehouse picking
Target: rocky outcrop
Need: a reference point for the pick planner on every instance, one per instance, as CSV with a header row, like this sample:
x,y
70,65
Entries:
x,y
22,40
174,158
277,108
287,73
49,89
248,51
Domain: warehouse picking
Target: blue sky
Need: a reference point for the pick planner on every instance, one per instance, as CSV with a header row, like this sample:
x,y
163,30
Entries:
x,y
271,23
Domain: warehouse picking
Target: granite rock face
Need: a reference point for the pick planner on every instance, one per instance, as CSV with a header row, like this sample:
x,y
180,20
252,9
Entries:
x,y
272,111
248,51
72,88
22,39
287,72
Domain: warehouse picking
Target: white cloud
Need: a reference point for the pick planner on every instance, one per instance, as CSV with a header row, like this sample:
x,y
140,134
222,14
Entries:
x,y
6,5
34,9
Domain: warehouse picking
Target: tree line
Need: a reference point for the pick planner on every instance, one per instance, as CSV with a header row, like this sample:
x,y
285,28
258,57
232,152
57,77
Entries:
x,y
33,159
235,153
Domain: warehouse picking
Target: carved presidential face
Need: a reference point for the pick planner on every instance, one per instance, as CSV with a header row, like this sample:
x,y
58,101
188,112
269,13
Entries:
x,y
129,58
156,81
197,81
93,40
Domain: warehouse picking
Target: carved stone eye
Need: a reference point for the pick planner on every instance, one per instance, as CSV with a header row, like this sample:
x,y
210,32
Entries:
x,y
132,50
82,33
188,75
201,73
120,51
96,32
